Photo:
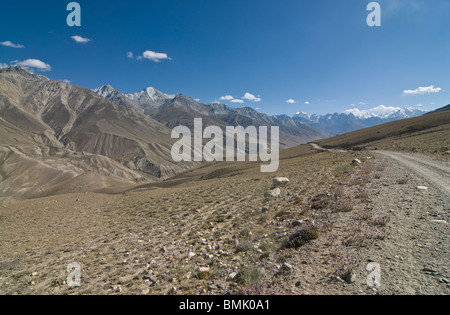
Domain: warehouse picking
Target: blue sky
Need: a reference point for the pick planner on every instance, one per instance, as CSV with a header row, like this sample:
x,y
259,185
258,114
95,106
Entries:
x,y
319,54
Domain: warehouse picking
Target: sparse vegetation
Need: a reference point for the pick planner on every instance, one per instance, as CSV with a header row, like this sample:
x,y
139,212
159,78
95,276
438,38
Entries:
x,y
343,169
303,235
251,276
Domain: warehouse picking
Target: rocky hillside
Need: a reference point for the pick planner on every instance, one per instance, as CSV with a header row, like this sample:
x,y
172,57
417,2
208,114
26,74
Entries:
x,y
52,132
174,110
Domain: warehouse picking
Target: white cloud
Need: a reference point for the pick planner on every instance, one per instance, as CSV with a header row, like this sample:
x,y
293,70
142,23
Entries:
x,y
33,63
362,103
419,105
3,65
226,98
379,111
197,99
81,40
237,101
251,97
9,44
290,101
306,103
154,56
130,55
215,102
421,90
67,81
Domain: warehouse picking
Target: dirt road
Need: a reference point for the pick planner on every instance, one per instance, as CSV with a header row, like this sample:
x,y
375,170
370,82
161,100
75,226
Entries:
x,y
318,147
435,173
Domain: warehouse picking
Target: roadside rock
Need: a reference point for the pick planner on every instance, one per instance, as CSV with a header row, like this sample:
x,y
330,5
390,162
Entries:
x,y
356,162
274,193
280,181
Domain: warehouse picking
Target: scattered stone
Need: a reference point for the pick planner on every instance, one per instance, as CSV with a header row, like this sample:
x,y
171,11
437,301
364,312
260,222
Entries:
x,y
192,255
150,278
34,274
297,222
204,269
232,276
144,291
339,279
32,283
212,287
280,181
274,193
117,288
286,267
356,162
351,278
173,291
444,280
188,276
429,271
126,279
422,187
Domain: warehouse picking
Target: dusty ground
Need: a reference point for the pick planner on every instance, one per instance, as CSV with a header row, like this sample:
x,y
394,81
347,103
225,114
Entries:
x,y
222,236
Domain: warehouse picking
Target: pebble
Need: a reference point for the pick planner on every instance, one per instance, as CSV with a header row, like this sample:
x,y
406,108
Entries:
x,y
232,276
351,278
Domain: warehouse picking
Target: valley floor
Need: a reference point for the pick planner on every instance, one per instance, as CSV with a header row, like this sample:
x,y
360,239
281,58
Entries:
x,y
222,235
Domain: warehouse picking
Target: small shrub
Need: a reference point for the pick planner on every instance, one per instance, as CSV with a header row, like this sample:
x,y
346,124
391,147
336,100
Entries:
x,y
343,169
381,221
251,276
259,290
363,215
265,247
244,247
344,205
344,265
303,235
245,233
203,275
357,238
320,204
362,194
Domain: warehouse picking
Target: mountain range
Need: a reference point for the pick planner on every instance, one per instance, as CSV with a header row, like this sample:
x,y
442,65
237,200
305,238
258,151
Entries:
x,y
172,110
340,123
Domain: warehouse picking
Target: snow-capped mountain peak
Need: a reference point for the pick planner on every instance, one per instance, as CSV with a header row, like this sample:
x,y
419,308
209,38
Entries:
x,y
150,94
105,90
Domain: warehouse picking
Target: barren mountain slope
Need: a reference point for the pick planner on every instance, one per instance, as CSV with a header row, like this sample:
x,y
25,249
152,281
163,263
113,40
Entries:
x,y
429,134
61,131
